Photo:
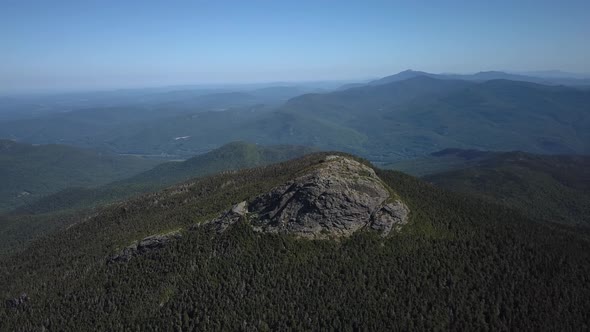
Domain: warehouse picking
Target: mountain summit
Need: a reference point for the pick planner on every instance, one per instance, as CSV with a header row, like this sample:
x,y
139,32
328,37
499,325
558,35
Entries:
x,y
336,198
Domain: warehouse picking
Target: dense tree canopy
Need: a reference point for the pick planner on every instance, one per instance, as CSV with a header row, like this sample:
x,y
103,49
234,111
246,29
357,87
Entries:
x,y
461,263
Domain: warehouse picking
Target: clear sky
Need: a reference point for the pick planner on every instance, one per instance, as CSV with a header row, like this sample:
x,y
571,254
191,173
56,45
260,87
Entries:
x,y
84,44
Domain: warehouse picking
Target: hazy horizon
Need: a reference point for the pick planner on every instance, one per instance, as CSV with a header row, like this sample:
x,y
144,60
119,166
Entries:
x,y
73,46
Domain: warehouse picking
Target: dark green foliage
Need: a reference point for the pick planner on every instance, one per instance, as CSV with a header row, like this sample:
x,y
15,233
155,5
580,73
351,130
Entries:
x,y
209,130
551,188
232,156
58,210
462,264
29,172
438,162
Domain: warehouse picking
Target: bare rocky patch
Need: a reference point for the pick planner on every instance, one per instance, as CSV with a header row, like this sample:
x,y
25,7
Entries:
x,y
337,198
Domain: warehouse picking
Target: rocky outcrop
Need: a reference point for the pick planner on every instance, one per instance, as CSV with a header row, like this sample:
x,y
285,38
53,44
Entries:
x,y
235,214
17,301
336,198
147,244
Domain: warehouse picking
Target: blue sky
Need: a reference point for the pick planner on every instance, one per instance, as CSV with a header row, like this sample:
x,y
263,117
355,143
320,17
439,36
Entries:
x,y
111,44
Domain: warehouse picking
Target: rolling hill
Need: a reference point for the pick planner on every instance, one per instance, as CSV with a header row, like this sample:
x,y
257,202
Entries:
x,y
421,115
232,156
399,117
91,119
551,188
56,211
28,172
192,134
394,121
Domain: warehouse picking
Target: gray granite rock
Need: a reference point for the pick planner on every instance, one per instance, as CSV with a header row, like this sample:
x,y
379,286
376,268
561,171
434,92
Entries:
x,y
336,198
139,247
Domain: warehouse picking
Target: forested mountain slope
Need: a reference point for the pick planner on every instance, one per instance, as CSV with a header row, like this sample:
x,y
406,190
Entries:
x,y
51,213
458,263
232,156
422,114
28,172
552,188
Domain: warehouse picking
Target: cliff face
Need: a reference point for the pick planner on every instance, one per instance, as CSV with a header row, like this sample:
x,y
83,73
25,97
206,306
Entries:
x,y
336,198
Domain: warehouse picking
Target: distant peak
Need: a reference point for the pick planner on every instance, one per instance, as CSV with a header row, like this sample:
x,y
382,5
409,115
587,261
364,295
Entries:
x,y
237,144
415,72
491,72
401,76
462,153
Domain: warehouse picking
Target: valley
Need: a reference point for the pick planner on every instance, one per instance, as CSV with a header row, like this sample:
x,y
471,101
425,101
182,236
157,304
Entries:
x,y
403,116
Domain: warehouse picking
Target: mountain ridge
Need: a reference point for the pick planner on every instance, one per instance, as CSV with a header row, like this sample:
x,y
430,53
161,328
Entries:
x,y
54,212
484,76
452,244
382,122
551,188
231,156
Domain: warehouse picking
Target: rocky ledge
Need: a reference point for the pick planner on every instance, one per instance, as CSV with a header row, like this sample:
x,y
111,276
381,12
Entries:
x,y
140,247
336,198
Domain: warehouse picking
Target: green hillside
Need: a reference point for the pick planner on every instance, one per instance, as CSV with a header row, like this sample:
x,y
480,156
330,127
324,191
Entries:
x,y
440,161
551,188
183,135
398,120
232,156
546,187
421,115
28,172
53,212
461,263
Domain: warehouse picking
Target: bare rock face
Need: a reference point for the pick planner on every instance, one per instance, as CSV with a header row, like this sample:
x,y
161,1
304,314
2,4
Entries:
x,y
336,198
332,199
235,214
149,243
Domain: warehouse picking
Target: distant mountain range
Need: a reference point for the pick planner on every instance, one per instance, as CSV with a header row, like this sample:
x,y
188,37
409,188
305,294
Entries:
x,y
400,116
552,78
419,115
